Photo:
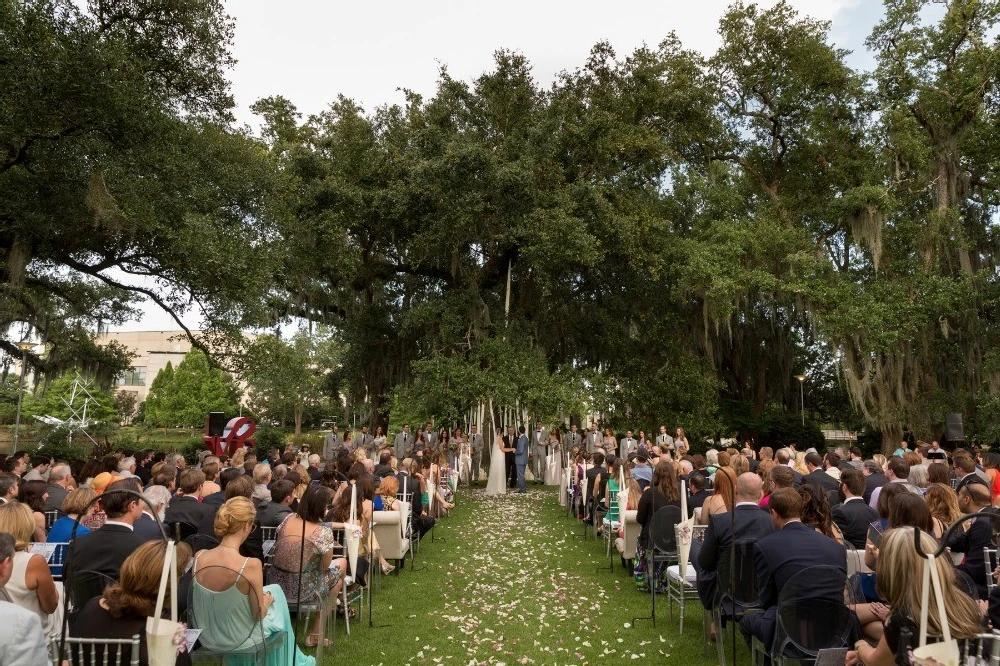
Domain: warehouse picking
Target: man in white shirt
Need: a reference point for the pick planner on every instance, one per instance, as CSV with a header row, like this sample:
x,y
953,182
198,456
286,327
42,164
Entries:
x,y
126,467
626,445
21,639
593,439
570,439
664,440
402,441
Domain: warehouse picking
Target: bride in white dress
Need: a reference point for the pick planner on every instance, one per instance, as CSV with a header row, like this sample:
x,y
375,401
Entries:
x,y
496,483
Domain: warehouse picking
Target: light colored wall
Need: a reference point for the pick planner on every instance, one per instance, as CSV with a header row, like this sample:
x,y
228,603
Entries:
x,y
153,350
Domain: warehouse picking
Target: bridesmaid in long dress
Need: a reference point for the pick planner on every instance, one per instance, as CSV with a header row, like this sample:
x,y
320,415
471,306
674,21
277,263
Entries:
x,y
553,463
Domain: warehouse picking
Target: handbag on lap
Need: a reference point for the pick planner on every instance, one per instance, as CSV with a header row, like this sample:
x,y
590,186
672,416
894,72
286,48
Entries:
x,y
946,652
162,635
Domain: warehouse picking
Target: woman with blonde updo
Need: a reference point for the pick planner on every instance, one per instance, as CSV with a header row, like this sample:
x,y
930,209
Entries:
x,y
228,606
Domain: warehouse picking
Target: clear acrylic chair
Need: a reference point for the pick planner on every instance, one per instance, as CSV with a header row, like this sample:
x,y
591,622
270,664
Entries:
x,y
663,549
243,639
813,617
681,589
736,577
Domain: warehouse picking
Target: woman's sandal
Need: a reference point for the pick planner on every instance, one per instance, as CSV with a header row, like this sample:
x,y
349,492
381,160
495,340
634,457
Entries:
x,y
351,613
312,640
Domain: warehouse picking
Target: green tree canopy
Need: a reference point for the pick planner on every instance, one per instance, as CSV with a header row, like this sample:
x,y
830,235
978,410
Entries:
x,y
185,395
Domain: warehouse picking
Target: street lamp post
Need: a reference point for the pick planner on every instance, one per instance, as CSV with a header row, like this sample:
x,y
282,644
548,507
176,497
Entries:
x,y
24,346
802,398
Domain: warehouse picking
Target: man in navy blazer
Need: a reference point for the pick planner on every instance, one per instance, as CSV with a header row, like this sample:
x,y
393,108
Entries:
x,y
974,498
748,523
782,457
786,552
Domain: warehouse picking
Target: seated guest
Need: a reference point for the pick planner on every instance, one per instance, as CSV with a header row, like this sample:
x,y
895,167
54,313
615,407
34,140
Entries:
x,y
105,549
271,513
76,506
943,505
897,471
226,611
8,488
210,468
30,585
60,484
166,476
187,507
261,480
315,473
746,523
898,583
22,642
386,498
663,491
974,498
32,494
121,611
253,545
597,478
385,466
216,500
146,526
853,516
816,511
642,472
874,478
409,481
784,458
965,471
722,500
817,475
784,553
318,577
696,482
781,477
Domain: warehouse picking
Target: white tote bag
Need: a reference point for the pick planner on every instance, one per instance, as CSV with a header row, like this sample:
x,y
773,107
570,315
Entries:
x,y
160,633
352,534
946,652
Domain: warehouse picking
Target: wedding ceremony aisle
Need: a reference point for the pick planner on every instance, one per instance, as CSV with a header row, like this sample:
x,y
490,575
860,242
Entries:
x,y
505,582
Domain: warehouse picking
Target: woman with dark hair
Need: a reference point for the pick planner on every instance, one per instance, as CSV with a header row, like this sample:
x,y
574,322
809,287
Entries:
x,y
34,494
122,609
662,491
939,473
889,492
910,510
816,512
313,559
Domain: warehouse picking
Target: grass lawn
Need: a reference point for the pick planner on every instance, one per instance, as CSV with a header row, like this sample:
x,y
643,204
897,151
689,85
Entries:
x,y
509,585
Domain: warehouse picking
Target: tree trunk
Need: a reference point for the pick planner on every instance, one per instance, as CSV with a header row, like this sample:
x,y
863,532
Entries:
x,y
891,437
298,418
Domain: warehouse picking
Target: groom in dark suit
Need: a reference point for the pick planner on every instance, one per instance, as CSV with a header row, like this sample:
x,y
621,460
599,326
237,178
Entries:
x,y
508,458
521,460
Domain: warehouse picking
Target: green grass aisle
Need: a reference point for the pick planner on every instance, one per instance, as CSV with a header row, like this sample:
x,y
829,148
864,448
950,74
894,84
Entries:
x,y
511,586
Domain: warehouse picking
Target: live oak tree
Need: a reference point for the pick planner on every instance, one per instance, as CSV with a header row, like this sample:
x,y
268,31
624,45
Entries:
x,y
120,175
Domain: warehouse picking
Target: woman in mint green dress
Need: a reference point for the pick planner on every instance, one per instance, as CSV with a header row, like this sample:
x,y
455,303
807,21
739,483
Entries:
x,y
238,613
612,497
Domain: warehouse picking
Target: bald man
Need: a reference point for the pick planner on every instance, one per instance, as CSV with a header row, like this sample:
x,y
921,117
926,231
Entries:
x,y
748,523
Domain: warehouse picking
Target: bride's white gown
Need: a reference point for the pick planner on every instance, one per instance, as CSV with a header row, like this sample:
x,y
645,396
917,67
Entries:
x,y
496,484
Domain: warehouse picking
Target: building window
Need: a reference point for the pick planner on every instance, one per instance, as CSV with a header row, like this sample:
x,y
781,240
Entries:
x,y
133,377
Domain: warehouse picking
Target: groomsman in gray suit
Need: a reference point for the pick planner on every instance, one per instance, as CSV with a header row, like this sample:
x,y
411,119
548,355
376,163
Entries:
x,y
402,442
664,440
626,445
476,445
539,440
365,441
594,439
430,438
332,444
570,439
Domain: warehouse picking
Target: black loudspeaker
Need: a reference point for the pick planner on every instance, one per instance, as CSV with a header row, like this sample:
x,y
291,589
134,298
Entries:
x,y
954,431
215,423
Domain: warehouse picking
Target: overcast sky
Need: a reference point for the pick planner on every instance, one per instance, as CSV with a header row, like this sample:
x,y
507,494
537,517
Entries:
x,y
310,51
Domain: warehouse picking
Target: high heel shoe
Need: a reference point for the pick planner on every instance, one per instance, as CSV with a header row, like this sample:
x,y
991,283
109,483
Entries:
x,y
387,569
